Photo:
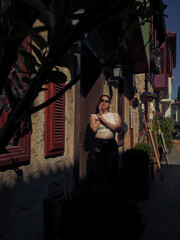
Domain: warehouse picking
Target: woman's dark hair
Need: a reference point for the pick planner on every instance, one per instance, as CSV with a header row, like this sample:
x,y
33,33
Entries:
x,y
104,95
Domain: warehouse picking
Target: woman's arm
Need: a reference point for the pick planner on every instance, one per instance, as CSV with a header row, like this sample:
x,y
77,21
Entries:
x,y
94,123
111,126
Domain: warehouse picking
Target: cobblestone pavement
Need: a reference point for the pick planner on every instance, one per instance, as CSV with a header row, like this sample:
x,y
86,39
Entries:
x,y
161,212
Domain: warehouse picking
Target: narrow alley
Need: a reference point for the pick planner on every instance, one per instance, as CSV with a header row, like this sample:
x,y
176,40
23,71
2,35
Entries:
x,y
161,212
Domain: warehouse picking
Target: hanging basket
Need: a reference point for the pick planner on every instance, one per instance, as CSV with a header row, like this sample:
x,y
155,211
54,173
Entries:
x,y
148,96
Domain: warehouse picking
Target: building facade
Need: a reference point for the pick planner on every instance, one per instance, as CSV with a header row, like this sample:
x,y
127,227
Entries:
x,y
53,157
164,79
175,111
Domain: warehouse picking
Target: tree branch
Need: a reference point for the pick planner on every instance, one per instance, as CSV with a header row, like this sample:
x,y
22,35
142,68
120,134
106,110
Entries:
x,y
59,48
57,96
10,51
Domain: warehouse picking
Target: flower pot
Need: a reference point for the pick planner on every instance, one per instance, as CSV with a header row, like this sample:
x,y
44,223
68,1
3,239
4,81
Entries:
x,y
148,96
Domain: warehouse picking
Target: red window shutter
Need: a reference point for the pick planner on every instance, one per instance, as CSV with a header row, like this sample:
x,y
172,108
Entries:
x,y
54,122
16,155
20,154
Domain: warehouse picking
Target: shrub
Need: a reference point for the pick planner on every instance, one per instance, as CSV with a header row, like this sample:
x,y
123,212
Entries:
x,y
135,158
144,147
167,126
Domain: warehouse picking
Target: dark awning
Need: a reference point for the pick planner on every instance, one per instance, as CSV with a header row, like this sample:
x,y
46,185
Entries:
x,y
105,41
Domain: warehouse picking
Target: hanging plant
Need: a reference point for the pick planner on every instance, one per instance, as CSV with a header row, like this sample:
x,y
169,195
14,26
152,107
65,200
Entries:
x,y
148,96
167,126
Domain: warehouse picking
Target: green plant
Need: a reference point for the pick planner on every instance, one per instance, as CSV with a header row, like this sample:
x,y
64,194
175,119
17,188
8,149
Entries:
x,y
144,147
166,126
99,212
135,159
176,128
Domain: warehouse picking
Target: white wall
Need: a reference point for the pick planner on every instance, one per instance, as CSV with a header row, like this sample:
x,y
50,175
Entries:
x,y
166,103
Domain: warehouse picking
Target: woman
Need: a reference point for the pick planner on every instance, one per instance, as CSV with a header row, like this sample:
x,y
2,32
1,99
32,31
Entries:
x,y
103,159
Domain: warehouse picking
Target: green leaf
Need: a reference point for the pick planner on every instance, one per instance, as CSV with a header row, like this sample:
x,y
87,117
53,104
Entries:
x,y
57,77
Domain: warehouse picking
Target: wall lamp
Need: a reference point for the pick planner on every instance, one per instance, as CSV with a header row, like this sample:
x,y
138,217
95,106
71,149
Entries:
x,y
157,52
115,75
117,72
75,18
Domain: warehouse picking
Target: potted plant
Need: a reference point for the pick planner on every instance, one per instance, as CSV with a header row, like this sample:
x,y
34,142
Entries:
x,y
144,147
135,172
148,96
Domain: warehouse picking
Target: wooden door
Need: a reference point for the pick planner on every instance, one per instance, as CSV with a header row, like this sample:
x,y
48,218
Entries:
x,y
87,93
88,105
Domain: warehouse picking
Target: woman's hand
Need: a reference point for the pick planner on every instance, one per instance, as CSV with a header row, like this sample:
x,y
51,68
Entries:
x,y
111,126
100,110
100,118
99,115
94,123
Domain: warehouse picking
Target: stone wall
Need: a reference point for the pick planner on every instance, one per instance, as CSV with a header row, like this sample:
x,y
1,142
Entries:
x,y
140,85
127,114
22,190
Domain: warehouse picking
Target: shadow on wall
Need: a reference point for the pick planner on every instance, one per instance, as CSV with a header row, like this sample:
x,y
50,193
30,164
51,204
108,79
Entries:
x,y
21,203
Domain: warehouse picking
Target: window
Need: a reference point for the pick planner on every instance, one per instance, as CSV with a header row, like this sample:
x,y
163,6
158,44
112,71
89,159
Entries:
x,y
16,155
54,122
18,149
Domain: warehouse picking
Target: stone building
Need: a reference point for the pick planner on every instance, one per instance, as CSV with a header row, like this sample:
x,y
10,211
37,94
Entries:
x,y
175,111
53,158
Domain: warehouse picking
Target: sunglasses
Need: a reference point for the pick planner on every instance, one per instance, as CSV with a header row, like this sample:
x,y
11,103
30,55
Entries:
x,y
104,100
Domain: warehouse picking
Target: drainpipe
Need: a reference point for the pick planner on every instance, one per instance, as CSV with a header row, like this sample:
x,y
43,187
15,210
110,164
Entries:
x,y
146,103
77,69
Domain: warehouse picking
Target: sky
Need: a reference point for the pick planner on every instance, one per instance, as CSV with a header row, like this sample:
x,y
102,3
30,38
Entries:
x,y
173,24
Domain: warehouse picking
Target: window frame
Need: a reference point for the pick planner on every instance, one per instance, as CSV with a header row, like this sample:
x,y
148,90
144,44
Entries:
x,y
20,154
17,154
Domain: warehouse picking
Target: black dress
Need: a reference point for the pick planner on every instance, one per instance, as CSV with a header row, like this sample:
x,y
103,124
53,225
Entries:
x,y
103,164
